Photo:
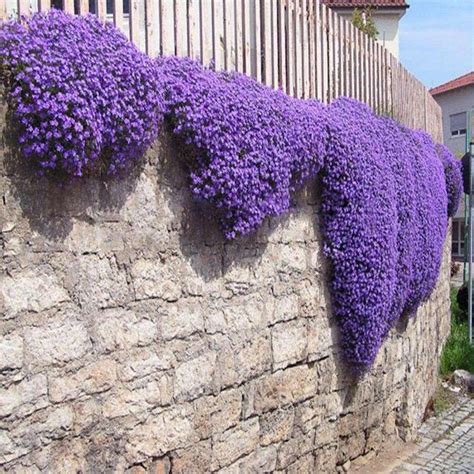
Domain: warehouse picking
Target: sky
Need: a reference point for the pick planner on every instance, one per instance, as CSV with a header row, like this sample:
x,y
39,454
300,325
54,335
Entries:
x,y
437,39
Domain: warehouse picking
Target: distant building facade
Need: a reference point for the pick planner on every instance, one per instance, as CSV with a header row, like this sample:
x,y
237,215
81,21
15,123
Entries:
x,y
385,13
456,99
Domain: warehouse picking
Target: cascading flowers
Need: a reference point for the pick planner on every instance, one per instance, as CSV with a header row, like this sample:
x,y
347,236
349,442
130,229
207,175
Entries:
x,y
87,102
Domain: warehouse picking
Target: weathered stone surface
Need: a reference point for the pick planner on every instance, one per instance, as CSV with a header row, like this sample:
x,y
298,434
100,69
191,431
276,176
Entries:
x,y
145,362
134,338
182,319
116,329
56,343
31,291
464,379
234,443
289,343
155,279
95,378
161,433
102,285
195,377
24,398
11,352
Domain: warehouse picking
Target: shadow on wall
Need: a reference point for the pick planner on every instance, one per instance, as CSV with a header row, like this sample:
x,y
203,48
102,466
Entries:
x,y
51,207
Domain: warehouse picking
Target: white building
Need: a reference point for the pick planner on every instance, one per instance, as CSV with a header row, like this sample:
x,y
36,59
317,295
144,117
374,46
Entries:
x,y
385,13
456,99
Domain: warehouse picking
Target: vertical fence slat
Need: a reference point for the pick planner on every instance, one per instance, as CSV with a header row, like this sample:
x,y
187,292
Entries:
x,y
256,33
325,53
319,38
274,27
181,24
134,22
282,43
305,47
44,5
101,9
218,34
298,49
267,43
117,11
247,38
331,55
229,13
23,8
239,36
167,28
194,29
207,33
290,58
152,40
83,7
312,49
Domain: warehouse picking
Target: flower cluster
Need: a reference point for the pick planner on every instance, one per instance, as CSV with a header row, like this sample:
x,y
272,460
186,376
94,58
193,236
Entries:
x,y
86,101
384,207
454,180
252,146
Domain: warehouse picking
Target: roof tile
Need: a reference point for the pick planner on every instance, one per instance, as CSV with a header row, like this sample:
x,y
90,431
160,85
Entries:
x,y
461,81
365,3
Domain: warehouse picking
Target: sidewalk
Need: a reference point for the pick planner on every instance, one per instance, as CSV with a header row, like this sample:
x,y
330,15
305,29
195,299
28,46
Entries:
x,y
446,444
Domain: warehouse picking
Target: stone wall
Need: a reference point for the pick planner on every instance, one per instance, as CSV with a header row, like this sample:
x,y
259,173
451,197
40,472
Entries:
x,y
134,338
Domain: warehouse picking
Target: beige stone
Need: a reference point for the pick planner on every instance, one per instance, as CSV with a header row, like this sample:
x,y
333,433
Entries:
x,y
195,377
24,398
11,352
31,291
94,378
56,343
289,343
234,443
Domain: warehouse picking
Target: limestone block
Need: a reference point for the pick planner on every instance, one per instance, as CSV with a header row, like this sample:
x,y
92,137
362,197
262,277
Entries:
x,y
181,319
276,426
25,397
196,458
31,291
97,282
156,279
195,377
215,414
94,378
161,433
234,443
56,343
144,362
11,352
289,343
119,329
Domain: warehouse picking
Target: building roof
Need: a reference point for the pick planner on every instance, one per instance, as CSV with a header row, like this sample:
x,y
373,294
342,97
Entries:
x,y
366,3
461,81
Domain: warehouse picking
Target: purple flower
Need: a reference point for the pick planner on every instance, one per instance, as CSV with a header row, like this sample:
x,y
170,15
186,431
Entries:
x,y
81,90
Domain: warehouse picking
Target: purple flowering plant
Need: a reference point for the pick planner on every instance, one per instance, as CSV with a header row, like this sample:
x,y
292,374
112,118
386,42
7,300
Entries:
x,y
85,100
253,146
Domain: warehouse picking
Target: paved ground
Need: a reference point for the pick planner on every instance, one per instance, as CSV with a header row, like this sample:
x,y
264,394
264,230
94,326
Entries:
x,y
446,444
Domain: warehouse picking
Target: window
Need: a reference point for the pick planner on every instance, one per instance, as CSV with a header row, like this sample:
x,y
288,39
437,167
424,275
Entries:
x,y
457,246
458,124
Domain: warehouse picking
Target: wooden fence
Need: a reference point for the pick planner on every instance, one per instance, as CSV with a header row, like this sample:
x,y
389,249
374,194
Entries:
x,y
300,46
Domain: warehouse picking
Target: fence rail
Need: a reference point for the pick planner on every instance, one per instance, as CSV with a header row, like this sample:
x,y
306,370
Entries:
x,y
300,46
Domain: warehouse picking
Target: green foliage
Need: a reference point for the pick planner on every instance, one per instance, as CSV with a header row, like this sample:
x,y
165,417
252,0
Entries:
x,y
364,21
457,353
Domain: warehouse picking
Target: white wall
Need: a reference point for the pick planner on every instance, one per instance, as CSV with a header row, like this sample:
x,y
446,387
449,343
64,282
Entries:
x,y
387,24
454,102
